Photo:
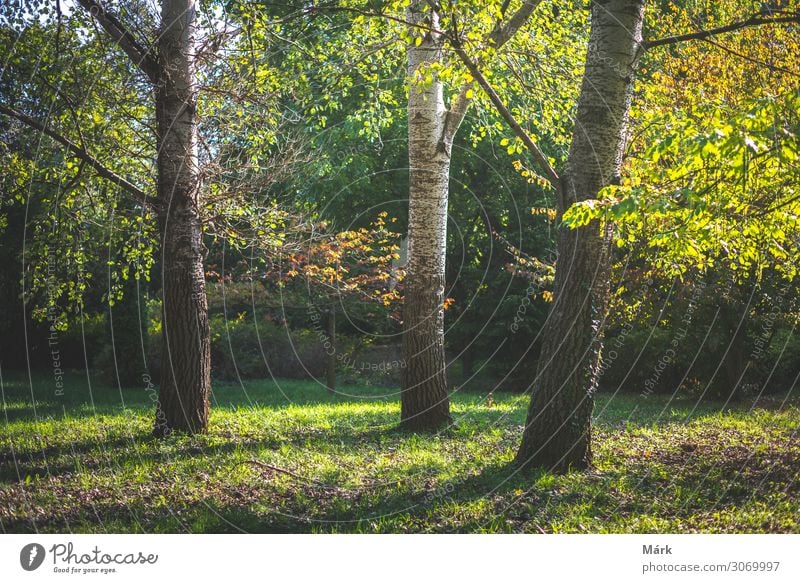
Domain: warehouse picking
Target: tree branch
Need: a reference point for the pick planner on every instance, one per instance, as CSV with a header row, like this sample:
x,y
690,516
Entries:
x,y
755,61
503,32
455,115
755,20
536,152
140,56
378,14
500,35
77,151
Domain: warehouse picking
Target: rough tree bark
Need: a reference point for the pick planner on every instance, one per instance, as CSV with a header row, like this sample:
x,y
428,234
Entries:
x,y
424,396
557,433
431,130
185,387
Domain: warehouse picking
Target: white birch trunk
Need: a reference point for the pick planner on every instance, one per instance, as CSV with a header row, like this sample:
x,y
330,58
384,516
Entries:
x,y
424,397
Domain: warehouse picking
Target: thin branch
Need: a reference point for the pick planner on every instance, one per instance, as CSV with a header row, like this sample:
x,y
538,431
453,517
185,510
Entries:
x,y
455,115
59,15
536,152
291,474
755,20
378,14
140,55
776,68
500,35
77,151
504,31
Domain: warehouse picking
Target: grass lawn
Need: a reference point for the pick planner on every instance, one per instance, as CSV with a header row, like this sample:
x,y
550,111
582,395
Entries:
x,y
288,457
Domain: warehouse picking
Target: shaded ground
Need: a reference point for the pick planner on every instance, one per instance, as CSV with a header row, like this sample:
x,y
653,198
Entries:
x,y
288,457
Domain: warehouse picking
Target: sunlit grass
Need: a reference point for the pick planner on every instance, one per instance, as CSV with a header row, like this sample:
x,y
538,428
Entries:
x,y
288,456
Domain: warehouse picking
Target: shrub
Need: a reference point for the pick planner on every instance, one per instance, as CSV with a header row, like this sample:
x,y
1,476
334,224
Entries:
x,y
371,364
781,364
242,348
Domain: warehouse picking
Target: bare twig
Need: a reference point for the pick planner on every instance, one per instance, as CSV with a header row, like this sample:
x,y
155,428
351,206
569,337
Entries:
x,y
755,20
290,473
776,68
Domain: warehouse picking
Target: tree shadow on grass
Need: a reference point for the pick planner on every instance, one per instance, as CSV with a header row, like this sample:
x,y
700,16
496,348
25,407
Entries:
x,y
516,501
681,482
141,447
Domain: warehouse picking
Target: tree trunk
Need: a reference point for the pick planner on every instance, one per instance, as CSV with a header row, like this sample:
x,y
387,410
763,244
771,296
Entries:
x,y
557,433
330,364
185,387
424,397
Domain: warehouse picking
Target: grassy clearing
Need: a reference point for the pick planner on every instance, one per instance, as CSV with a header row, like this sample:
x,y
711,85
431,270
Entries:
x,y
288,457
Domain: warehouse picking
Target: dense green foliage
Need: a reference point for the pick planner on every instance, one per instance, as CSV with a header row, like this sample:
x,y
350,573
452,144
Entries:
x,y
303,121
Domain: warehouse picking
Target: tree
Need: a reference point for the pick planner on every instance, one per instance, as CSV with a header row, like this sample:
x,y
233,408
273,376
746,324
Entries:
x,y
185,385
347,267
432,127
558,426
78,232
186,381
557,434
433,122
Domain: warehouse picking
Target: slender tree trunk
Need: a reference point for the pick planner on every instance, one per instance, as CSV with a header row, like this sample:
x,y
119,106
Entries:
x,y
557,433
424,397
330,364
186,352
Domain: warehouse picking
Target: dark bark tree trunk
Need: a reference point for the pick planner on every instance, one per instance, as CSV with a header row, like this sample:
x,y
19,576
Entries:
x,y
557,433
424,395
185,386
330,364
